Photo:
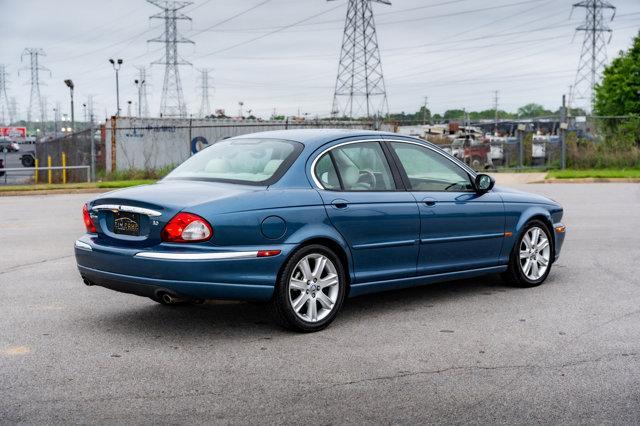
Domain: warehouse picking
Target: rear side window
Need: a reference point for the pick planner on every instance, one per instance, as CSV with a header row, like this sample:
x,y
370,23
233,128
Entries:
x,y
359,166
251,161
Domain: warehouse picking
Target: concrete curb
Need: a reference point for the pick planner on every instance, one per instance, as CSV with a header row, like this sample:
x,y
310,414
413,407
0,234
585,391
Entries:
x,y
591,180
55,191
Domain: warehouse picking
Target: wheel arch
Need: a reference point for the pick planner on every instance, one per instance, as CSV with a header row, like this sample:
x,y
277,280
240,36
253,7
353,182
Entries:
x,y
338,247
544,217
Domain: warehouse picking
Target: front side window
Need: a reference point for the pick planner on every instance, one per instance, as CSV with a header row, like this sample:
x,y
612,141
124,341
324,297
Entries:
x,y
430,171
251,161
358,167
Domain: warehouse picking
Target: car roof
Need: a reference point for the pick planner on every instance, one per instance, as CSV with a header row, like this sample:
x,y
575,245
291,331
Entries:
x,y
315,137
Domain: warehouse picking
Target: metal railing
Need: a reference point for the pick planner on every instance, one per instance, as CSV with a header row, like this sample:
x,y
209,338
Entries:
x,y
36,170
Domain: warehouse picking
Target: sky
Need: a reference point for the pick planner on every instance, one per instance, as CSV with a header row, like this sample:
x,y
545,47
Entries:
x,y
283,54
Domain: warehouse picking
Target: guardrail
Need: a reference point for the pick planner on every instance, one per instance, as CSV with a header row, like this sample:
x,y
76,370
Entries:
x,y
49,169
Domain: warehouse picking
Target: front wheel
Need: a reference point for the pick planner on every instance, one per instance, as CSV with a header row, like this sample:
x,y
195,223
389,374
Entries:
x,y
531,258
310,289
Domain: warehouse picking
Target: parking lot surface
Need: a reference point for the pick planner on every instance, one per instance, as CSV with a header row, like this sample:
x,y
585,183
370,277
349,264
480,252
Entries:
x,y
473,351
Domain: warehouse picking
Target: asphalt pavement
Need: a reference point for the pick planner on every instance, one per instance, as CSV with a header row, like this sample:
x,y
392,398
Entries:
x,y
472,351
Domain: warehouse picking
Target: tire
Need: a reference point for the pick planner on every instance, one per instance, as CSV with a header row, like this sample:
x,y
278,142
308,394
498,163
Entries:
x,y
27,161
530,270
297,303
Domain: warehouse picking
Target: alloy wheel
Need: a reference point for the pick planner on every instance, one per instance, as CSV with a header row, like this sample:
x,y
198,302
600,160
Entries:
x,y
314,287
535,253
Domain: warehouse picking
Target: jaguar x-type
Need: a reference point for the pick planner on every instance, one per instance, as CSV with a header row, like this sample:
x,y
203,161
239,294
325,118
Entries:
x,y
306,218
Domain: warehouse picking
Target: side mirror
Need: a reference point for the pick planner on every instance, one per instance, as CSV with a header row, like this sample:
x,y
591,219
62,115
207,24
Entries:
x,y
484,183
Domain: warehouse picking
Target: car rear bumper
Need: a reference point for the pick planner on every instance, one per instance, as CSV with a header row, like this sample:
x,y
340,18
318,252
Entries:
x,y
202,273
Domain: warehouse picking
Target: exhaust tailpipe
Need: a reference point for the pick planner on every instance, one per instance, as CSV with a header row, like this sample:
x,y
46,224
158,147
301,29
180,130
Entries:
x,y
172,300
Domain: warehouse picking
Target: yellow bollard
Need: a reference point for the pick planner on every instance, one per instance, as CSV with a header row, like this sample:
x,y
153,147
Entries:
x,y
64,168
36,171
49,169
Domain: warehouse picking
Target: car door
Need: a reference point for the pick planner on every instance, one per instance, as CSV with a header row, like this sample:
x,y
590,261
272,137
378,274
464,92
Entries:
x,y
460,229
365,202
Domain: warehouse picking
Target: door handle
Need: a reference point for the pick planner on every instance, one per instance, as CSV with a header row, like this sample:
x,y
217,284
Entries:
x,y
340,204
429,202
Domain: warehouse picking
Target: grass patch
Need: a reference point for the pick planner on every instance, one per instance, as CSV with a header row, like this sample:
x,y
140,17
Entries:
x,y
594,173
72,186
124,183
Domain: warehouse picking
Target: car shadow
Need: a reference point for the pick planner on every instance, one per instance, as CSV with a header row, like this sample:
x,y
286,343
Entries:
x,y
225,319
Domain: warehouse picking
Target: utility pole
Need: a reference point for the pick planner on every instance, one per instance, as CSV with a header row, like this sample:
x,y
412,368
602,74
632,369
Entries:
x,y
495,107
35,100
172,101
205,104
116,64
90,113
143,103
424,112
563,133
593,55
360,89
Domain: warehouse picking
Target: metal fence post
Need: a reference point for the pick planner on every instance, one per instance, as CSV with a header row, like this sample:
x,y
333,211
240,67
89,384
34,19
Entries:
x,y
64,167
92,172
520,146
49,169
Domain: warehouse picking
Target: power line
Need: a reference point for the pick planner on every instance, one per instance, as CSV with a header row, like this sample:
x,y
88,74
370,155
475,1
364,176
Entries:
x,y
279,29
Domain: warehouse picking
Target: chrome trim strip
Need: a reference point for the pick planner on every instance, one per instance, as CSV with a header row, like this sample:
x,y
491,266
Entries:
x,y
130,209
460,238
197,256
385,245
83,246
424,144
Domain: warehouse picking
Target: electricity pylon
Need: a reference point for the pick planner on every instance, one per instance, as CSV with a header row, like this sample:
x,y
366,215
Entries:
x,y
35,100
360,89
205,100
593,54
172,101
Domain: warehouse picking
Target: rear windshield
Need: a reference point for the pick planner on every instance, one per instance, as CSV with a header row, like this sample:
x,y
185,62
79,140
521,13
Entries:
x,y
252,161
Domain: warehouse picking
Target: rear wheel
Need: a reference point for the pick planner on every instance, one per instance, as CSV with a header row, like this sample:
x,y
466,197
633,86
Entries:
x,y
531,258
310,290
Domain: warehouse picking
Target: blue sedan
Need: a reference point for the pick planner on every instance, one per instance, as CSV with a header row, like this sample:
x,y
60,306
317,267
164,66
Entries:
x,y
305,218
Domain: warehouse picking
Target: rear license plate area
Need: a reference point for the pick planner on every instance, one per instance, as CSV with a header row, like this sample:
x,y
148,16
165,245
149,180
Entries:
x,y
125,223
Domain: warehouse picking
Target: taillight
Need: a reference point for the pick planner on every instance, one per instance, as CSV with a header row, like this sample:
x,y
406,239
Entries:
x,y
88,222
187,228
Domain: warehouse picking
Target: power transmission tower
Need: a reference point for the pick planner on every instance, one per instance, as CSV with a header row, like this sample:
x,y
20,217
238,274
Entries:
x,y
35,100
495,107
205,100
360,89
172,101
13,109
90,113
45,106
144,82
593,54
5,106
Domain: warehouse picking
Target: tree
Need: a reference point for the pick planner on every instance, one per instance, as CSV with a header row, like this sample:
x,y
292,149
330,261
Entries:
x,y
533,110
619,92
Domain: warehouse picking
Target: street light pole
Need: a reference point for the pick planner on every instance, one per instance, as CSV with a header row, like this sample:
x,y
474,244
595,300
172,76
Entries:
x,y
69,84
117,69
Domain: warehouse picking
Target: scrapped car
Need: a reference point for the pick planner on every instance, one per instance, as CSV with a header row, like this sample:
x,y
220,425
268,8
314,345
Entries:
x,y
306,218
